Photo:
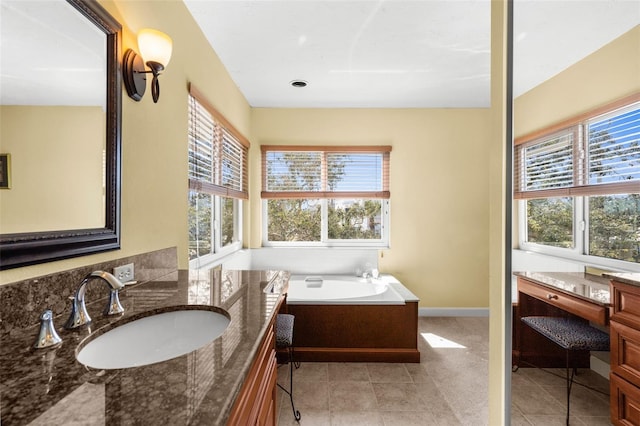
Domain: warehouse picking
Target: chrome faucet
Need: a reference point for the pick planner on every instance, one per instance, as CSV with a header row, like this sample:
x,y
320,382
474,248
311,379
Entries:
x,y
47,336
79,315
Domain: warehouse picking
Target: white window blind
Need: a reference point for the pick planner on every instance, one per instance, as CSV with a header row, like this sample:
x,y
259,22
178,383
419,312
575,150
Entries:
x,y
597,155
547,164
614,146
325,172
218,154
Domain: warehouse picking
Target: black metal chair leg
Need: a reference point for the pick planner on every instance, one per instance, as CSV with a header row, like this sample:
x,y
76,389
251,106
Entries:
x,y
296,413
569,385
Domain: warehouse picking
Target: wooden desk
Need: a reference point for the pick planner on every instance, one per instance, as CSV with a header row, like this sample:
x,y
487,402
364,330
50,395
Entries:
x,y
560,294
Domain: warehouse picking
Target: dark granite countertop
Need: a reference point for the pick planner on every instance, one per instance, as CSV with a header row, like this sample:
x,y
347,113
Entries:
x,y
592,288
48,386
631,278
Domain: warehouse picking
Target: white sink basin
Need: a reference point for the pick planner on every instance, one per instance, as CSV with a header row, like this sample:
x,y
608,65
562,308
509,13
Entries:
x,y
154,338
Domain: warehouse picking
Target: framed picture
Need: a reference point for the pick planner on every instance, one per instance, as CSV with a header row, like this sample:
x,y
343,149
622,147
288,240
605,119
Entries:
x,y
5,171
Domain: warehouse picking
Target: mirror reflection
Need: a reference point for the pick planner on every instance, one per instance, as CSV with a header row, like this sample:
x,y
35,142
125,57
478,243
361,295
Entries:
x,y
576,90
53,69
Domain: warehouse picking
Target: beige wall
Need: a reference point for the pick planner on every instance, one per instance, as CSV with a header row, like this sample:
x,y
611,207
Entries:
x,y
608,74
438,182
49,190
499,295
154,148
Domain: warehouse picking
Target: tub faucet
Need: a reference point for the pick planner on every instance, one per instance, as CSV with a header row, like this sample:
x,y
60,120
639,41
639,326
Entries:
x,y
79,315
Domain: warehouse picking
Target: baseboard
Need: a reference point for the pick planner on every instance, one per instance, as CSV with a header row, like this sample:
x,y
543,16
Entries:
x,y
453,312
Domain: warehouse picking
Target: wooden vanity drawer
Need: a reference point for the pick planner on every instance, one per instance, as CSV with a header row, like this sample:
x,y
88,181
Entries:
x,y
625,402
626,304
625,351
595,313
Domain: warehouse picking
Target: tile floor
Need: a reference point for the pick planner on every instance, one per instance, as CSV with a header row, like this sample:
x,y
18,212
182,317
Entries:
x,y
448,387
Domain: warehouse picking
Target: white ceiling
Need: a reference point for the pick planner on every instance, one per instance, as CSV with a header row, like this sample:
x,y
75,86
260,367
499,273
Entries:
x,y
353,53
397,53
551,35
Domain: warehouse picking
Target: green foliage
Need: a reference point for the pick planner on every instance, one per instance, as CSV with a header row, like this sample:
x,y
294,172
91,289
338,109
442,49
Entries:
x,y
227,227
614,227
550,222
360,220
294,220
199,214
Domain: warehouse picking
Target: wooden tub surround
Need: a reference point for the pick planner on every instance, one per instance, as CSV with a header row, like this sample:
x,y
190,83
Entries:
x,y
356,333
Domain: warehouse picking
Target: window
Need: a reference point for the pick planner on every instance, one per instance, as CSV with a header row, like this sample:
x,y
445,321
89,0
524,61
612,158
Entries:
x,y
579,187
218,182
326,196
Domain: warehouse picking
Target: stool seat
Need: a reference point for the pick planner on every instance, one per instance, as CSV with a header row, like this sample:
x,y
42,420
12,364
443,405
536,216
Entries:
x,y
284,330
569,333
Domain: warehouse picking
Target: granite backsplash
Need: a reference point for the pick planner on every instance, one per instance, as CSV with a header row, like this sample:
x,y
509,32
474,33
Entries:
x,y
22,302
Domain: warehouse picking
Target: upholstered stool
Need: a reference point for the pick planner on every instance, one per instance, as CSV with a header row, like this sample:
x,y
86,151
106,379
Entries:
x,y
570,334
284,339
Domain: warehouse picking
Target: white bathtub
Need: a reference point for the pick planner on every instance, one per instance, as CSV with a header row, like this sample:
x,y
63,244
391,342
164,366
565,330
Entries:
x,y
342,290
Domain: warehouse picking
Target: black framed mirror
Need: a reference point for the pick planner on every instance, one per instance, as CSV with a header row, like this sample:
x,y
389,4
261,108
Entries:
x,y
41,243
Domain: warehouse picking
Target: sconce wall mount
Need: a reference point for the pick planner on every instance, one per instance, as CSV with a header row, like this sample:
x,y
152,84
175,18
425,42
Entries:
x,y
156,47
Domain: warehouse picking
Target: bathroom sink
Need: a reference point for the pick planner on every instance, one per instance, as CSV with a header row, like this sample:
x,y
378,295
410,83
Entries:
x,y
155,337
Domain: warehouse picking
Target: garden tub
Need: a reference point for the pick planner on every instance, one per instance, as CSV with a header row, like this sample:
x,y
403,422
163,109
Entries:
x,y
341,290
352,319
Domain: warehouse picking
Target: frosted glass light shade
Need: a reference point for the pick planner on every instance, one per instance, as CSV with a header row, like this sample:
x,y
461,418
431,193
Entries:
x,y
155,46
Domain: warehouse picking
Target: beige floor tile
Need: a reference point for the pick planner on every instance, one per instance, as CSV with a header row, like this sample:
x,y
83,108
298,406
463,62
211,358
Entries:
x,y
309,395
348,372
545,420
356,418
398,397
593,421
311,372
408,418
448,387
388,373
309,417
583,401
417,372
533,401
518,419
357,396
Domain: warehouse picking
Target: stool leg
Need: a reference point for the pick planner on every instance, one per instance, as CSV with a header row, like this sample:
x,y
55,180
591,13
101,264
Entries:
x,y
296,413
569,385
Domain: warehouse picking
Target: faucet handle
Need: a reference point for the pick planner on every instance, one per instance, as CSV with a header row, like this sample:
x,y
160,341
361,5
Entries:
x,y
113,306
79,315
47,336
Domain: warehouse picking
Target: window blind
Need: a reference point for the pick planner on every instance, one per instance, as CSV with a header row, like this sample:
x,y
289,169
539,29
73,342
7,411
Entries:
x,y
614,146
598,155
218,153
325,172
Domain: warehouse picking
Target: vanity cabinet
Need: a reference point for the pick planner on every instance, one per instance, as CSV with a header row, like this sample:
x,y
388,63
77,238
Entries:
x,y
256,402
625,354
530,348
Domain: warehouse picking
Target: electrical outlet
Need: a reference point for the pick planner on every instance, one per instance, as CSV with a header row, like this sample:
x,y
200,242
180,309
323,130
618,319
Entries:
x,y
124,273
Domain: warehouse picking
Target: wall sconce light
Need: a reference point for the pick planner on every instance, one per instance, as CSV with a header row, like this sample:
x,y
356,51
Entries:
x,y
155,48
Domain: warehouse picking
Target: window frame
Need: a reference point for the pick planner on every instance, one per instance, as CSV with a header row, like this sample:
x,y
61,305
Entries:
x,y
215,186
324,231
324,195
580,191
